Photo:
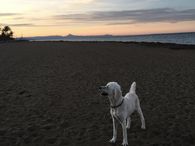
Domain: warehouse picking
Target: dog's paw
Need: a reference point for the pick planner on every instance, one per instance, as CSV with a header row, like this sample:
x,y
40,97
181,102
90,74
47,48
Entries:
x,y
128,127
125,143
113,140
143,127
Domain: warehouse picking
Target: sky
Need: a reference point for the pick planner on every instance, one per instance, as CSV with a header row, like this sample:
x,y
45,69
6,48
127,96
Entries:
x,y
97,17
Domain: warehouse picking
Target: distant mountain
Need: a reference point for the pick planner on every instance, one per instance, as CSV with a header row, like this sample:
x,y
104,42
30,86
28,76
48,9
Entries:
x,y
95,36
69,36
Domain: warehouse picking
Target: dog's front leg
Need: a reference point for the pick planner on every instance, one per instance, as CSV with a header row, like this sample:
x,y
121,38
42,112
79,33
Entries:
x,y
128,122
125,142
115,126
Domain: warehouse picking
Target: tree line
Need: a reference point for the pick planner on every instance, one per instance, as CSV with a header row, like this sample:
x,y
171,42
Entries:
x,y
6,33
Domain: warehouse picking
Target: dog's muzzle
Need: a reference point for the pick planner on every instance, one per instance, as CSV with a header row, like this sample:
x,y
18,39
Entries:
x,y
103,93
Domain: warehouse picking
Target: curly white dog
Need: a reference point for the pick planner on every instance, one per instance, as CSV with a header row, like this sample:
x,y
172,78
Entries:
x,y
121,107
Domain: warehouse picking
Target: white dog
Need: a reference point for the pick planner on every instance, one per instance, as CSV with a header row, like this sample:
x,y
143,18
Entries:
x,y
121,107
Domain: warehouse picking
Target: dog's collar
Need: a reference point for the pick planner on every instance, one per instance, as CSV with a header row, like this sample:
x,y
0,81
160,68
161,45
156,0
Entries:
x,y
116,106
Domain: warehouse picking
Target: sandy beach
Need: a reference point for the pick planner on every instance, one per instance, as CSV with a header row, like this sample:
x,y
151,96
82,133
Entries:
x,y
49,92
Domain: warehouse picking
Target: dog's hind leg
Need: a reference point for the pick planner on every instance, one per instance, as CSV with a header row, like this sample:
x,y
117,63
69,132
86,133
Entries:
x,y
139,110
128,122
115,126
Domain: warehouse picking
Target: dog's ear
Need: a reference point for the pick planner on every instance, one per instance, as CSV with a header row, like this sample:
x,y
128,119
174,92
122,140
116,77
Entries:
x,y
117,93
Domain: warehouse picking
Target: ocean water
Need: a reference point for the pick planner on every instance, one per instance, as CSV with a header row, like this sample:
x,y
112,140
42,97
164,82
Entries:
x,y
178,38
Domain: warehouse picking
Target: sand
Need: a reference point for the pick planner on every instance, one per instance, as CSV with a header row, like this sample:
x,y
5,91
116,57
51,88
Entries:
x,y
49,93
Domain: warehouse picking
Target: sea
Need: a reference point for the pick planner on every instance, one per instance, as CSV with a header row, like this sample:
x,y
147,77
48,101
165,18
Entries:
x,y
177,38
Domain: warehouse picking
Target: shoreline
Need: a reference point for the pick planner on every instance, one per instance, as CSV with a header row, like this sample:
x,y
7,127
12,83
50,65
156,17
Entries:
x,y
173,46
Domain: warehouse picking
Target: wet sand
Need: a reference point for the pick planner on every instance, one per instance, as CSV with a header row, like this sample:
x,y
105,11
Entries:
x,y
49,93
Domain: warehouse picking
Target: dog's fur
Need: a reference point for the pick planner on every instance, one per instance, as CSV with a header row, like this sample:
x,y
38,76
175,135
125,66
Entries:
x,y
122,107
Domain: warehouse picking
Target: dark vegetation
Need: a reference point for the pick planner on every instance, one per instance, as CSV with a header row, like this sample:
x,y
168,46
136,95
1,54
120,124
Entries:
x,y
6,34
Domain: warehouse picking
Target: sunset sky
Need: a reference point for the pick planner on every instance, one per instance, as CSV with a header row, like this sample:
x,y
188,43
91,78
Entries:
x,y
97,17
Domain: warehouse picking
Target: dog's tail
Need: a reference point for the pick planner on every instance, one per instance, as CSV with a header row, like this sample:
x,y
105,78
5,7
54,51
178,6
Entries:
x,y
133,88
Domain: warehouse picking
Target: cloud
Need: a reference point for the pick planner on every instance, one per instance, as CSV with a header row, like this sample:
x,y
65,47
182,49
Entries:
x,y
8,14
131,16
30,25
19,24
22,25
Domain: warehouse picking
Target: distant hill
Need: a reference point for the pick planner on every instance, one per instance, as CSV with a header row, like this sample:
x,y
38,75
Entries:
x,y
69,36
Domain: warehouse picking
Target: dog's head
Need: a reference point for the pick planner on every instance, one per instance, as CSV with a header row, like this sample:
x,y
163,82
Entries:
x,y
112,90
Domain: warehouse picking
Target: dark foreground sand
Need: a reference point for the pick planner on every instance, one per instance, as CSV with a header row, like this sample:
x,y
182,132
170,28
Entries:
x,y
49,96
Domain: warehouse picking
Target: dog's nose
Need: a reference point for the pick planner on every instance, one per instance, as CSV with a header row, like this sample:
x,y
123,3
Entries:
x,y
100,87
